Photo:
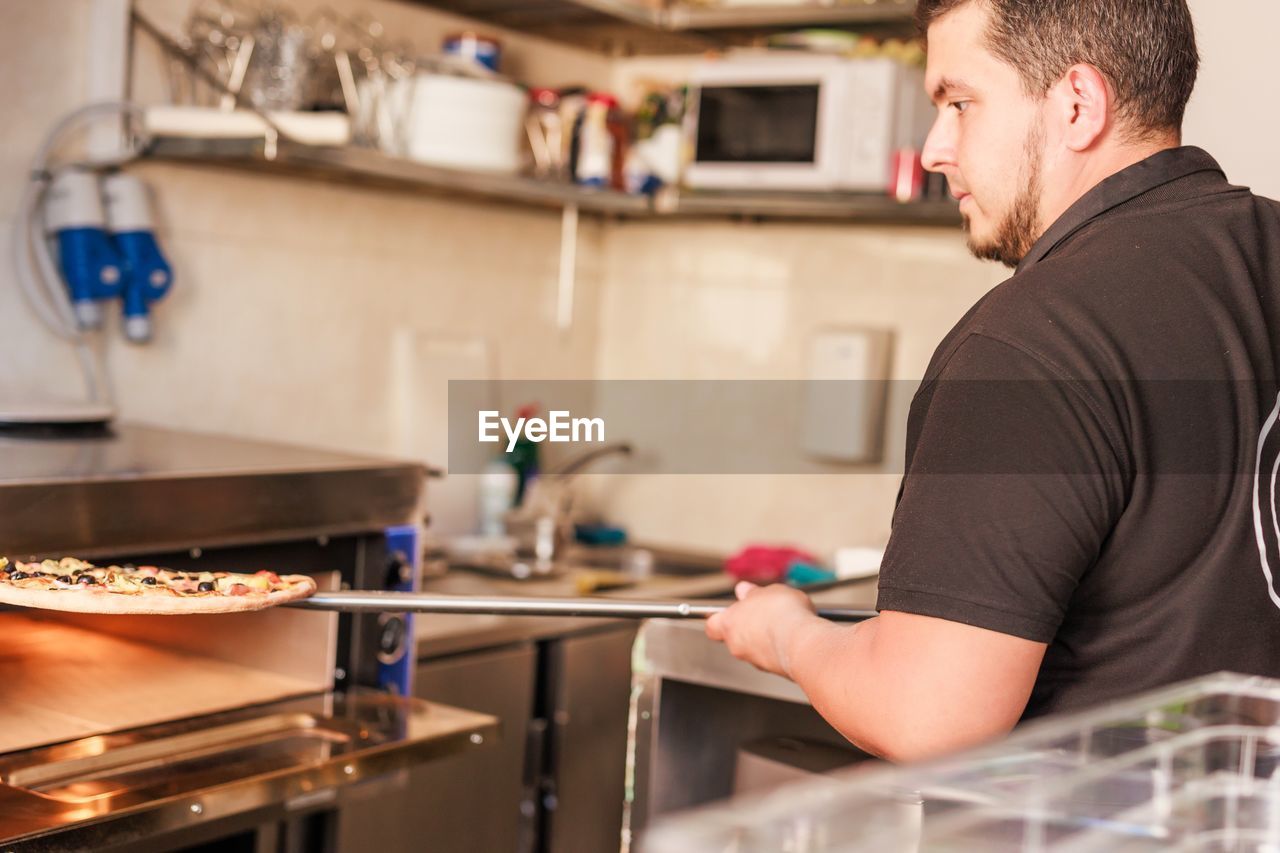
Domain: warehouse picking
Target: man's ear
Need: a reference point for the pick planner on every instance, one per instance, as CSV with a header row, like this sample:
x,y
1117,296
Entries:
x,y
1081,104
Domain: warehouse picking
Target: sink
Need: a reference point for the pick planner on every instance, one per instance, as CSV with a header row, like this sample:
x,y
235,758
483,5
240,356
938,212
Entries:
x,y
677,576
660,561
669,572
639,561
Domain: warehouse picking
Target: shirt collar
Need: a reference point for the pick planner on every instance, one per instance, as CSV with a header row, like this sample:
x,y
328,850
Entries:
x,y
1158,169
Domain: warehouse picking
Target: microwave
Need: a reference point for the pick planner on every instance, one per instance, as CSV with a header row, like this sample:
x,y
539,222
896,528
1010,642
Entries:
x,y
780,121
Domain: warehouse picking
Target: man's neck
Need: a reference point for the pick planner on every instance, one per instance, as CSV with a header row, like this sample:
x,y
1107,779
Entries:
x,y
1085,173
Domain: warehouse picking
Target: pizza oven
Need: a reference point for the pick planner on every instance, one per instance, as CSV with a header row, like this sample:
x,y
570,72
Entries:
x,y
163,732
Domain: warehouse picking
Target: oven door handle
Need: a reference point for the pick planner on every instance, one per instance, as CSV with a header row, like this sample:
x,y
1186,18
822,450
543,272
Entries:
x,y
373,601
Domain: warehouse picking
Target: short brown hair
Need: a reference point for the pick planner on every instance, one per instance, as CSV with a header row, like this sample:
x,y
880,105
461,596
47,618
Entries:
x,y
1145,48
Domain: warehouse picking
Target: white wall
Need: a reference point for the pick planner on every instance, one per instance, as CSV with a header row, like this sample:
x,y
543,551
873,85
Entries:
x,y
1232,114
729,301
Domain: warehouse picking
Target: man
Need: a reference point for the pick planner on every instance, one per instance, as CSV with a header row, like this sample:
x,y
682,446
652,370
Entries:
x,y
1080,517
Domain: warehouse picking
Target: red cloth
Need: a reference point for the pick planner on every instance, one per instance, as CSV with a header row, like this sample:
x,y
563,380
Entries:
x,y
765,563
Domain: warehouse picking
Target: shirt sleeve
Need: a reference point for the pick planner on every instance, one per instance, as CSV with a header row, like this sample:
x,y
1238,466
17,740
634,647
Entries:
x,y
1013,483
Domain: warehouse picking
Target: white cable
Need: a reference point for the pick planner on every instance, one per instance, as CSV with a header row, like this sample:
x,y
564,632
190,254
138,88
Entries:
x,y
37,297
41,283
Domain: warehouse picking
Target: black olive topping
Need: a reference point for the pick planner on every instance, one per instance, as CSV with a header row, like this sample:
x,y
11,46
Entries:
x,y
87,580
64,579
149,581
206,587
19,576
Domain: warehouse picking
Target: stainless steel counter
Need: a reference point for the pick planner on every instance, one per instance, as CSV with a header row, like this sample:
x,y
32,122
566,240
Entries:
x,y
145,489
697,708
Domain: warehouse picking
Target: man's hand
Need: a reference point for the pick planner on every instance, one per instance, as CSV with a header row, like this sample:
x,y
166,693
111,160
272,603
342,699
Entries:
x,y
762,626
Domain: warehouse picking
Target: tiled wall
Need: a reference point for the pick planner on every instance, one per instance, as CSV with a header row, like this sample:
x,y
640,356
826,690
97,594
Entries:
x,y
293,294
740,301
43,79
289,291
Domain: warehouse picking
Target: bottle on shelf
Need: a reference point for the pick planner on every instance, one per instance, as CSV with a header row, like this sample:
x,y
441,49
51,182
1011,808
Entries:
x,y
596,143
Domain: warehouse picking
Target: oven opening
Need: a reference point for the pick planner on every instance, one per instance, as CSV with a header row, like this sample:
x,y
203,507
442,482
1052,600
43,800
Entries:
x,y
70,676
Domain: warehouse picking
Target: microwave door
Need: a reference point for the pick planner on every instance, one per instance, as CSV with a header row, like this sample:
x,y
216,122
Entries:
x,y
758,136
758,124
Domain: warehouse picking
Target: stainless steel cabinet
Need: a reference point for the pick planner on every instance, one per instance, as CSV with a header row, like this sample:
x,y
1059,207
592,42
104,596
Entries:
x,y
589,689
471,802
555,781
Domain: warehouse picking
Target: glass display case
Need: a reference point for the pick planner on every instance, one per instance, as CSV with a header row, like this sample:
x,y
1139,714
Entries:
x,y
1191,767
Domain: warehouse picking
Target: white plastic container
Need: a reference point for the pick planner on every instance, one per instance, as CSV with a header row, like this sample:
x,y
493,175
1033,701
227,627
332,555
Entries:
x,y
465,123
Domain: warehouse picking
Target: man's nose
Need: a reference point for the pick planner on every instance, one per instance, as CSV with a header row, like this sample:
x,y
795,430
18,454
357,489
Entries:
x,y
939,146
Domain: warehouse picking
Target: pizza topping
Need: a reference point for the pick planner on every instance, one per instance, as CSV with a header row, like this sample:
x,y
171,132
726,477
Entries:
x,y
146,582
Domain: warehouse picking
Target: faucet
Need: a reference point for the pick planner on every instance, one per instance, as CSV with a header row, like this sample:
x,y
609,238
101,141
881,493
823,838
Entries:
x,y
574,464
543,522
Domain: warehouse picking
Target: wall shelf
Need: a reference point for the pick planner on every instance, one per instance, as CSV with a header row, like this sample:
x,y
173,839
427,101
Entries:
x,y
865,208
371,167
671,26
362,166
684,16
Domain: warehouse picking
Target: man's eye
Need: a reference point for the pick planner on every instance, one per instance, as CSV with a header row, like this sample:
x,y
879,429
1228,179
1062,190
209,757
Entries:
x,y
960,106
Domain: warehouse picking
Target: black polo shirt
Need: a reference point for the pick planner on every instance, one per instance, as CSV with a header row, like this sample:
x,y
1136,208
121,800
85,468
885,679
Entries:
x,y
1091,459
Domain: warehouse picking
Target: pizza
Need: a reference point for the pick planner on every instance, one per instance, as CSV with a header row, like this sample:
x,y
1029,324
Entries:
x,y
71,584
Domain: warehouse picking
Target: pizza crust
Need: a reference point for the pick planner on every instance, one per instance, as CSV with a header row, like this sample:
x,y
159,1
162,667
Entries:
x,y
89,600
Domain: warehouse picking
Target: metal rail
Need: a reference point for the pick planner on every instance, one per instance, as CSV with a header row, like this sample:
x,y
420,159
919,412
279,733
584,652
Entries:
x,y
367,601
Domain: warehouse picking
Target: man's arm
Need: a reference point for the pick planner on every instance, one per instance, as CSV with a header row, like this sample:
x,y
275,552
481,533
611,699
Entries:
x,y
900,686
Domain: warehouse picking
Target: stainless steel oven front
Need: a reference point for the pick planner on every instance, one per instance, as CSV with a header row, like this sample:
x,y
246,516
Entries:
x,y
160,733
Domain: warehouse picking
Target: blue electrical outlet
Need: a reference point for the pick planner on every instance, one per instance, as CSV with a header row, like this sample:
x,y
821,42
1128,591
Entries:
x,y
147,274
90,262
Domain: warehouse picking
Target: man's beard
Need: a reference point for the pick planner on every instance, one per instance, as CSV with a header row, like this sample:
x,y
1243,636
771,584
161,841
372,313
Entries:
x,y
1020,228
